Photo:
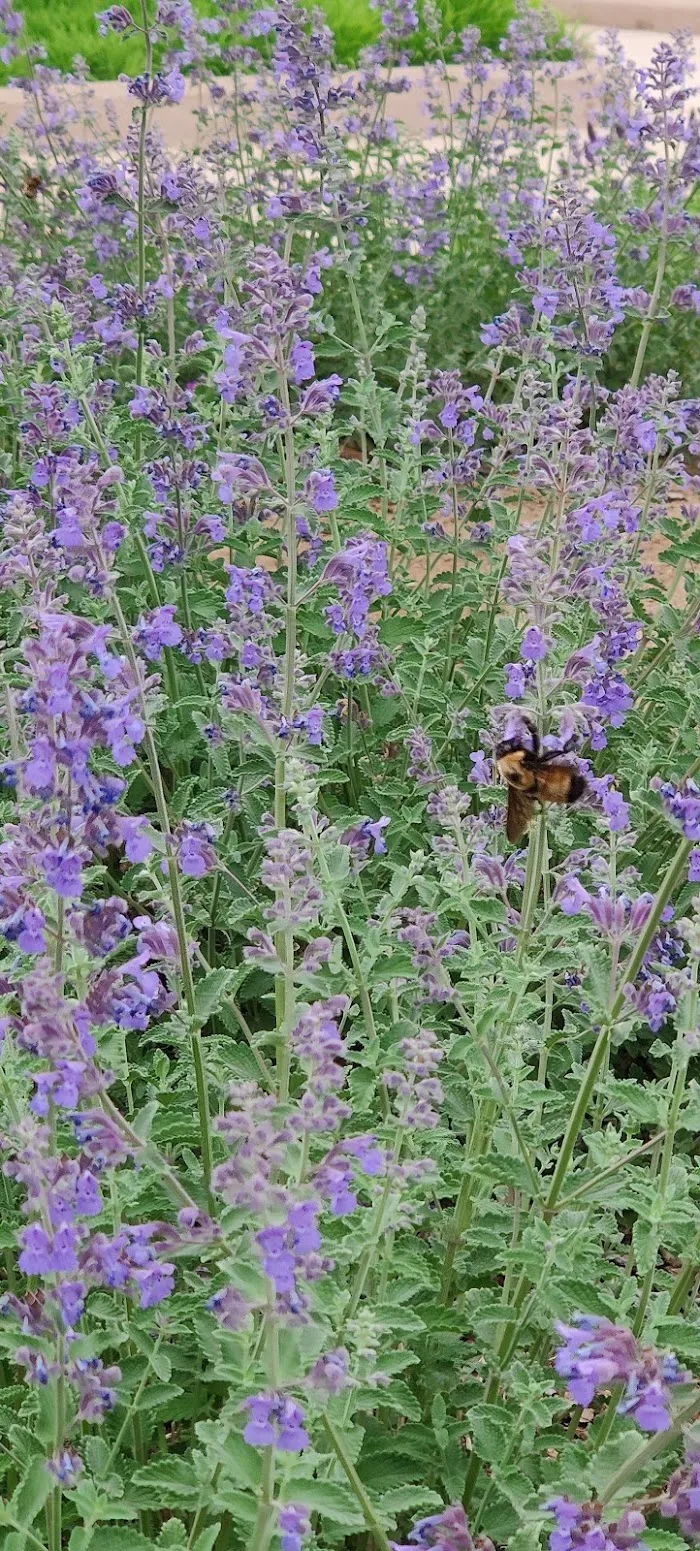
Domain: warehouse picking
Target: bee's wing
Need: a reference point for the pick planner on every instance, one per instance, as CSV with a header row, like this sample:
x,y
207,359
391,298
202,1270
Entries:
x,y
518,814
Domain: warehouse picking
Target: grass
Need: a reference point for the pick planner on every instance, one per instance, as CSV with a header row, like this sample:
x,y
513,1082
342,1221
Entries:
x,y
68,27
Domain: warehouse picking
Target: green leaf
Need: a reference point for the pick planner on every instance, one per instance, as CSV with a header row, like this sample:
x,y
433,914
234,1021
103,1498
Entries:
x,y
143,1121
490,1427
645,1241
209,991
241,1505
96,1453
395,1397
438,1417
205,1541
240,1461
158,1395
329,1498
616,1453
173,1535
112,1537
527,1538
575,1293
162,1480
29,1497
80,1538
158,1360
409,1499
664,1540
400,1320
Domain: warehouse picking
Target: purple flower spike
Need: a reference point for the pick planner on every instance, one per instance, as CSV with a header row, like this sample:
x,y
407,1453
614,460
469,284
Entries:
x,y
157,630
295,1525
596,1353
580,1527
682,1500
276,1421
63,869
682,803
446,1531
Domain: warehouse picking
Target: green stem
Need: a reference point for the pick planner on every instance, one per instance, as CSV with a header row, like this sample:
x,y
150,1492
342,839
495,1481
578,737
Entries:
x,y
373,1525
285,997
267,1508
54,1518
678,1079
648,1451
132,1409
653,307
177,906
631,969
612,1168
216,891
684,1280
536,853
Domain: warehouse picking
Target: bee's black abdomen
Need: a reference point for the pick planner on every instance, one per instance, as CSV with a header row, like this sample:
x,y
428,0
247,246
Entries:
x,y
577,787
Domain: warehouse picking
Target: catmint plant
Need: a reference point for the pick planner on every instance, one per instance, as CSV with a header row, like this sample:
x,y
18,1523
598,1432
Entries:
x,y
347,1151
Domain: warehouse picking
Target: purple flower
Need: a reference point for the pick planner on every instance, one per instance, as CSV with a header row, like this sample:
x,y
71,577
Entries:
x,y
446,1531
360,573
311,722
136,838
43,1253
157,630
580,1527
63,870
516,681
682,1499
66,1467
597,1353
321,396
230,1308
115,19
335,1176
275,1421
71,1297
196,854
320,491
683,805
96,1387
416,1086
570,895
366,839
652,998
102,926
154,1282
302,360
290,1253
617,810
330,1372
294,1524
368,1154
159,88
535,645
287,870
318,1045
482,769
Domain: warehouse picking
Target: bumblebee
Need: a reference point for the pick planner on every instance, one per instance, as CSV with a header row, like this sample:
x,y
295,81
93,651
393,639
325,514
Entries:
x,y
533,777
32,185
